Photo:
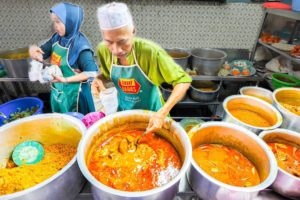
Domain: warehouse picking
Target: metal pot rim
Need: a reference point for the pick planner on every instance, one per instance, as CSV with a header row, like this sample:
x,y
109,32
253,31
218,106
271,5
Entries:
x,y
187,51
273,164
209,49
254,87
278,115
284,131
59,173
279,105
101,186
208,92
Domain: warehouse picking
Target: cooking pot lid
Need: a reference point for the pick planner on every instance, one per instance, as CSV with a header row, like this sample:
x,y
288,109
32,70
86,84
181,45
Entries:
x,y
28,152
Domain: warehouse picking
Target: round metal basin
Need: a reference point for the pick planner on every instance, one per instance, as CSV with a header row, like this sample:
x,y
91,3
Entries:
x,y
285,183
264,109
208,61
180,56
47,129
291,121
241,139
258,92
176,135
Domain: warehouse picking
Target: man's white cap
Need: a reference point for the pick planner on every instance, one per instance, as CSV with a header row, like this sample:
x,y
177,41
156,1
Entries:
x,y
113,16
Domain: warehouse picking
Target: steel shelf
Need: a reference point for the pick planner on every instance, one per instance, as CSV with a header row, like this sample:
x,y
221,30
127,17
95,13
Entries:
x,y
286,55
187,101
227,78
284,13
6,79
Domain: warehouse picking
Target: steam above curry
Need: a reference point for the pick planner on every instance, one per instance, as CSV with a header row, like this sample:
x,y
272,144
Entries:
x,y
121,164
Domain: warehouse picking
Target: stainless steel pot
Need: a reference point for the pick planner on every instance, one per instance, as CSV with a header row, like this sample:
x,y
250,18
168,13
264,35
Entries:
x,y
16,62
202,95
45,128
176,135
244,141
263,108
180,56
258,92
290,120
208,61
166,90
285,183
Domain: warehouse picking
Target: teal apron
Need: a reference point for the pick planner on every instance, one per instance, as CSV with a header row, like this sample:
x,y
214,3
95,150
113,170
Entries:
x,y
135,89
67,97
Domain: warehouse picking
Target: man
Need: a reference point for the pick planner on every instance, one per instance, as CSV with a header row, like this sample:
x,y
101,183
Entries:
x,y
136,66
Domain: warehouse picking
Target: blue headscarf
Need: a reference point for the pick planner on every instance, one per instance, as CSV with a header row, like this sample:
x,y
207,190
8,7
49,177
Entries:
x,y
71,16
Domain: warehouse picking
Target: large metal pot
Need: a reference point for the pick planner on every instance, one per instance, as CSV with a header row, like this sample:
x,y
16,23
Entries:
x,y
199,94
258,92
291,121
285,183
245,142
245,102
176,135
45,128
208,61
16,62
180,56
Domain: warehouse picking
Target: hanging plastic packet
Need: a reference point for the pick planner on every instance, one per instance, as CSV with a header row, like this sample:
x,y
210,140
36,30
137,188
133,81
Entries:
x,y
109,100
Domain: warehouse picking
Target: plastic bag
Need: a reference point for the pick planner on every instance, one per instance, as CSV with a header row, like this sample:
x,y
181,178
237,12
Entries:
x,y
109,100
49,71
35,71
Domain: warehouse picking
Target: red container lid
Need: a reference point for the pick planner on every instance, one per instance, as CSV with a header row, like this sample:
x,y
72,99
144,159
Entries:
x,y
277,5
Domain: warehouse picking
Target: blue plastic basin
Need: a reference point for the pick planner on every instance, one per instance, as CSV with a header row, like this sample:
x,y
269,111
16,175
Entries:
x,y
20,104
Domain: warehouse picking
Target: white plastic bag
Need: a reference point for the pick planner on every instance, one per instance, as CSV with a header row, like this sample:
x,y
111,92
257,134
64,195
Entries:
x,y
109,100
35,70
49,71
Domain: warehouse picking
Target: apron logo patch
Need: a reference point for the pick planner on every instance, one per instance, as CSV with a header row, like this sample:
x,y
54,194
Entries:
x,y
129,86
55,59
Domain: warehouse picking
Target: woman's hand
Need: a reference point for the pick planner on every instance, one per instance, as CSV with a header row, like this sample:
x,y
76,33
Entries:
x,y
36,53
59,79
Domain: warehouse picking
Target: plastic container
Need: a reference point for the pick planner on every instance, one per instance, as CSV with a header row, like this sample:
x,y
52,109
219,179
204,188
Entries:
x,y
20,104
90,118
76,115
284,80
296,5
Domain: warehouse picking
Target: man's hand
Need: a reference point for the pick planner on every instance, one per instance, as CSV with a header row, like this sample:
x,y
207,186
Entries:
x,y
97,86
157,121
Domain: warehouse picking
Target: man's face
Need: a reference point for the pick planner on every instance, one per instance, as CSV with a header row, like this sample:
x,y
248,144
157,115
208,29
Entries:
x,y
119,41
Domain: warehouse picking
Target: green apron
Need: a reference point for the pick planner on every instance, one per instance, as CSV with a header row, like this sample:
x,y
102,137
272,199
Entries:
x,y
135,89
64,96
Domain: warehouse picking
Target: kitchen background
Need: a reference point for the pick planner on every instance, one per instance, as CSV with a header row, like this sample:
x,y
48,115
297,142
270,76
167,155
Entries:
x,y
171,23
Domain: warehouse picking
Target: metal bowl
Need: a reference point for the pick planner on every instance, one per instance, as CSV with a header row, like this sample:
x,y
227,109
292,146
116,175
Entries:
x,y
180,56
285,183
139,118
208,61
291,121
245,142
166,90
258,105
201,94
258,92
46,128
16,62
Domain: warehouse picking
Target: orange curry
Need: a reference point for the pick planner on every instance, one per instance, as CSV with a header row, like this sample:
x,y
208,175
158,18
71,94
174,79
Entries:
x,y
226,165
288,157
121,164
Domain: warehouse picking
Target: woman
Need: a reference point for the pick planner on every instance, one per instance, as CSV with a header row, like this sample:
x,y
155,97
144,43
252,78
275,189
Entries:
x,y
71,51
136,66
